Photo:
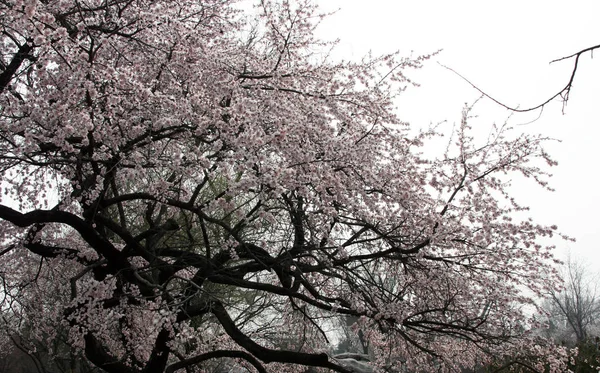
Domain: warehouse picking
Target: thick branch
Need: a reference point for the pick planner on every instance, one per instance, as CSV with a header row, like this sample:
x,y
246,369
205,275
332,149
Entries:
x,y
268,355
96,353
22,54
217,355
55,216
160,353
101,245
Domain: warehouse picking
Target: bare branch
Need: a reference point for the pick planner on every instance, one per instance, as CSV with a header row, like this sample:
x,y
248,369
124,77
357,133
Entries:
x,y
563,93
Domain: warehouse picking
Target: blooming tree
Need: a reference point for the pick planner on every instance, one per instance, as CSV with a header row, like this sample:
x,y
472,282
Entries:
x,y
182,185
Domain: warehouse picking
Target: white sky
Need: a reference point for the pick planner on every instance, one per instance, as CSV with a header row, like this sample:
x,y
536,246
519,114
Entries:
x,y
504,47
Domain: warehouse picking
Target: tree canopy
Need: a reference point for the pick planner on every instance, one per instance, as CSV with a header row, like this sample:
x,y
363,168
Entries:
x,y
183,184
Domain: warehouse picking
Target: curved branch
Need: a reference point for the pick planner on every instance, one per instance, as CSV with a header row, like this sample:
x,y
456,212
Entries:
x,y
563,93
221,279
116,260
268,355
86,232
97,354
217,355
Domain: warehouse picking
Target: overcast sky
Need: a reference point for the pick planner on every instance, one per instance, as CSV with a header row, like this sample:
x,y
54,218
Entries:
x,y
504,47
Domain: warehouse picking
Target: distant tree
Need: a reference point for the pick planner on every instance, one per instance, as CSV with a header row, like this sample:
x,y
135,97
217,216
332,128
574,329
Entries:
x,y
573,314
576,308
181,186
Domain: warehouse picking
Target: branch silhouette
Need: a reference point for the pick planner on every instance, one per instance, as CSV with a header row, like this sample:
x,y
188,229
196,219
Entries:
x,y
563,93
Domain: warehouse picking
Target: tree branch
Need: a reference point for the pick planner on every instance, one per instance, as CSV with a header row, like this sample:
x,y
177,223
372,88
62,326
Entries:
x,y
217,355
22,54
563,93
268,355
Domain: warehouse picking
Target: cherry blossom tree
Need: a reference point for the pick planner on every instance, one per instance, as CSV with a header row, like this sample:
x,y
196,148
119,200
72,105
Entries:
x,y
183,184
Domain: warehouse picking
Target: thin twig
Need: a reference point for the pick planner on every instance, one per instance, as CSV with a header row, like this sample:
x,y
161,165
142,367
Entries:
x,y
563,93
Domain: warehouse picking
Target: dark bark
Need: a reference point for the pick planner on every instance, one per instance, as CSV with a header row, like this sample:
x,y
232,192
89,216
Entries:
x,y
24,53
217,355
102,359
268,355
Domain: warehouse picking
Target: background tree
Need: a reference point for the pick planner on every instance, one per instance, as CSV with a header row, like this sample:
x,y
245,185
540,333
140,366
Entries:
x,y
575,309
574,312
182,185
